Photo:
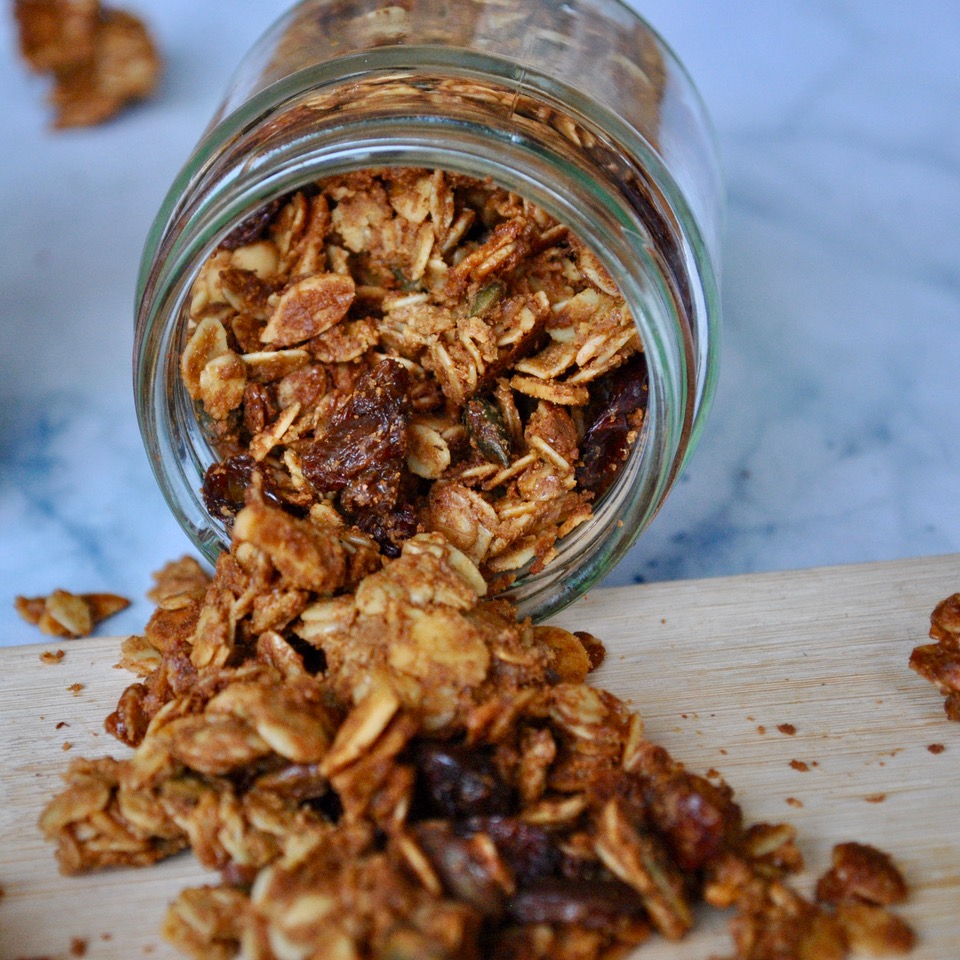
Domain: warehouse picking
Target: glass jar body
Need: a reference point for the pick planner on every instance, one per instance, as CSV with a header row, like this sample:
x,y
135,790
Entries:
x,y
586,113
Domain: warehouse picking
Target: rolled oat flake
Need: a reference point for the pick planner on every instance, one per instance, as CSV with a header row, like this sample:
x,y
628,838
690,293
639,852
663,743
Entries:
x,y
439,267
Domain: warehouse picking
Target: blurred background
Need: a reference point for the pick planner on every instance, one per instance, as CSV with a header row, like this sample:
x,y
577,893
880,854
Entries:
x,y
834,433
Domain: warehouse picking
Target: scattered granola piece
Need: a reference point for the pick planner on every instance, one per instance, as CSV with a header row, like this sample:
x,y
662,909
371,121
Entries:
x,y
787,729
936,748
862,872
52,656
939,662
873,931
100,58
65,614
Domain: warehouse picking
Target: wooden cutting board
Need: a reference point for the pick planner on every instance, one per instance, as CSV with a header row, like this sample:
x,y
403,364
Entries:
x,y
716,666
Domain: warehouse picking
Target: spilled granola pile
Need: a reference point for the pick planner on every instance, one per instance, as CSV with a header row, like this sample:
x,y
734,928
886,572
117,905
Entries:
x,y
382,761
422,352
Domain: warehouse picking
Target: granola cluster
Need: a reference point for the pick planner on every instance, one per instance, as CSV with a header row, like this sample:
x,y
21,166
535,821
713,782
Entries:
x,y
100,58
939,662
65,614
421,352
381,761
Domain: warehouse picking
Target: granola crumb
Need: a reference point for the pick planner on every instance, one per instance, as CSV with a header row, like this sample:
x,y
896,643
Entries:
x,y
787,729
794,802
761,729
875,797
800,765
75,688
936,748
78,947
67,745
52,656
61,724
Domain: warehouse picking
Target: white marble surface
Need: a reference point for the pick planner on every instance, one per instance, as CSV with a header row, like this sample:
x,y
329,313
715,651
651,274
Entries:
x,y
834,434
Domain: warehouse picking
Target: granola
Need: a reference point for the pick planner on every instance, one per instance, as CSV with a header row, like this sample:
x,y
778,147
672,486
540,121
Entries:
x,y
422,352
100,58
66,614
381,760
939,662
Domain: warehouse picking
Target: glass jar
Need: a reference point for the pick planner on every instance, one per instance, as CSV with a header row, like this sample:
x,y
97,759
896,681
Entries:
x,y
579,107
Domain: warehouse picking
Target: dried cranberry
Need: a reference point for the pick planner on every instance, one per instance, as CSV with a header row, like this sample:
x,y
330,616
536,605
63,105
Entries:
x,y
606,443
456,782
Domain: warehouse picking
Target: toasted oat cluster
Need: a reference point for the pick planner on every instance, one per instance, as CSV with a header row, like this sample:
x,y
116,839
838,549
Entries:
x,y
383,762
422,352
65,614
100,58
939,662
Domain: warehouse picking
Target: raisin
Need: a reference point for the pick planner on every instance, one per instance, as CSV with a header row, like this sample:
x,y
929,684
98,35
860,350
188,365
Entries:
x,y
463,867
611,417
225,486
253,227
594,905
368,433
457,782
527,849
697,818
389,528
362,456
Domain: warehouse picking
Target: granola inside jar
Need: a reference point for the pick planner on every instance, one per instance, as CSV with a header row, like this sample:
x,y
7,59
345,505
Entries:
x,y
440,267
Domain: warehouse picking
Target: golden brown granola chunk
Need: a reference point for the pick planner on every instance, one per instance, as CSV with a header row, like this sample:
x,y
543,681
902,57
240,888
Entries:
x,y
939,662
65,614
100,58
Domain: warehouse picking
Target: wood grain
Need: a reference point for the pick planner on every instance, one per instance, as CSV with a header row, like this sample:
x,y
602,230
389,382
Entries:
x,y
716,666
